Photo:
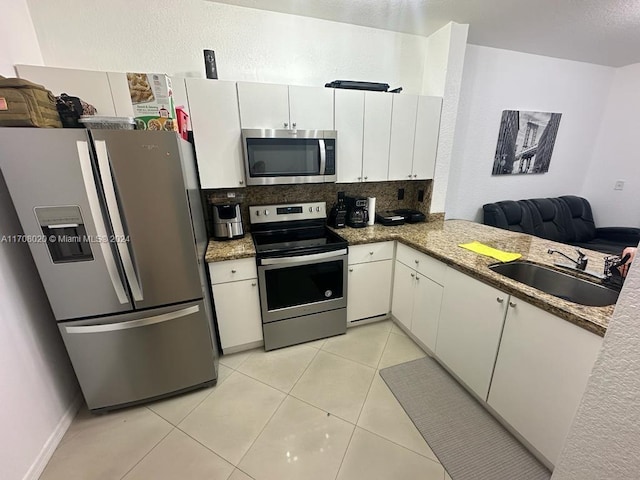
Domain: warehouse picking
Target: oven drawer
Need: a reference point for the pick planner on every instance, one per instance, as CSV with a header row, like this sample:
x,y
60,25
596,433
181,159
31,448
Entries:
x,y
233,270
370,252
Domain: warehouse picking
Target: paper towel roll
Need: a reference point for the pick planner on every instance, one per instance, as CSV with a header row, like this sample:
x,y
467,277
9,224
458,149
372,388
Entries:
x,y
371,207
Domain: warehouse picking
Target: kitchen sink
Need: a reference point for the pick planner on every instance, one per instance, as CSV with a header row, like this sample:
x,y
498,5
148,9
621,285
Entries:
x,y
558,284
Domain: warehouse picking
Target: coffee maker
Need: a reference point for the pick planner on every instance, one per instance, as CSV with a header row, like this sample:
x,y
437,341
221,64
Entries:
x,y
338,214
227,221
357,213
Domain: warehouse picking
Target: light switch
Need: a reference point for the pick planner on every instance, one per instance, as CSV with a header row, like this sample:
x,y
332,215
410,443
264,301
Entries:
x,y
619,185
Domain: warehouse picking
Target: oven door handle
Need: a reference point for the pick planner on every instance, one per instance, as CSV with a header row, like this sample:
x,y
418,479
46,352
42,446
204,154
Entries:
x,y
323,156
303,258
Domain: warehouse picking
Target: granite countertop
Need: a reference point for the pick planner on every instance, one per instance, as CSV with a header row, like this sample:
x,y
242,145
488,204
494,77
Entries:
x,y
440,239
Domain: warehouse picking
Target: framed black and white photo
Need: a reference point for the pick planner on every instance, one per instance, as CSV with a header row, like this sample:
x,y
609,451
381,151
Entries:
x,y
525,142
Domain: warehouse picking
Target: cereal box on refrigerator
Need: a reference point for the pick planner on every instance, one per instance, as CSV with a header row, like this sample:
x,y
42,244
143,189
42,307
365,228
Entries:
x,y
152,99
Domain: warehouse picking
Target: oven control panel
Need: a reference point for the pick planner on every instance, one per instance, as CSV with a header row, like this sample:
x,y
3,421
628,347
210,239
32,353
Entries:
x,y
287,212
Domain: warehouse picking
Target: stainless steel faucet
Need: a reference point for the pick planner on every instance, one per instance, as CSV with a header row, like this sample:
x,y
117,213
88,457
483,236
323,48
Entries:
x,y
580,263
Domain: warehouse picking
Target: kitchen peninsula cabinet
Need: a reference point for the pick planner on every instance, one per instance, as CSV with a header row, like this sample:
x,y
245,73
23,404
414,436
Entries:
x,y
216,132
541,373
237,304
272,106
417,295
369,281
469,329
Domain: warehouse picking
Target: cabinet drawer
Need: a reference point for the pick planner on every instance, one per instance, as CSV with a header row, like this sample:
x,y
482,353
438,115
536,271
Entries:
x,y
233,270
424,264
370,252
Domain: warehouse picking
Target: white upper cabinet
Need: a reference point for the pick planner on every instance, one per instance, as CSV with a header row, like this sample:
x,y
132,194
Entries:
x,y
377,136
91,86
403,129
269,106
349,122
216,130
311,108
263,105
427,129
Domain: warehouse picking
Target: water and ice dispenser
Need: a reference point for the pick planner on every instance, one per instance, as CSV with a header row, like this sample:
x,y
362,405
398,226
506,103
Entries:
x,y
65,234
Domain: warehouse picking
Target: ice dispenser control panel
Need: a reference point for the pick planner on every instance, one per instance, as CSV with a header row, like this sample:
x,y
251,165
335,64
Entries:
x,y
64,233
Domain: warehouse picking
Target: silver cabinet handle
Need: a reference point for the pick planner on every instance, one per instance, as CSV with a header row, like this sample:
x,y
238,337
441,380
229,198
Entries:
x,y
241,182
513,304
409,175
415,175
417,277
417,261
293,125
286,124
101,230
359,178
253,284
370,253
233,271
143,322
499,300
114,213
413,275
366,178
351,269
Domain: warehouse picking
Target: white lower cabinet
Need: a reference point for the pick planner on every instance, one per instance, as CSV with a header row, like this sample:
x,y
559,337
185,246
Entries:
x,y
237,304
416,296
541,372
369,281
471,319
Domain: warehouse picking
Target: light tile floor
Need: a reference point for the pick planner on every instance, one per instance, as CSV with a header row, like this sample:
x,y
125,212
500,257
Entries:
x,y
313,411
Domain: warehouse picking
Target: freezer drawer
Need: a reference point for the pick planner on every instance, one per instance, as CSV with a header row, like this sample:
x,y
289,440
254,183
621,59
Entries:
x,y
137,356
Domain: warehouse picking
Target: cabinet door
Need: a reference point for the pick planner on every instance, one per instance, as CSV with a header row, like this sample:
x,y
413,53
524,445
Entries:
x,y
349,123
541,372
238,312
377,136
263,105
471,319
426,311
311,108
403,293
369,290
216,132
403,129
91,86
425,145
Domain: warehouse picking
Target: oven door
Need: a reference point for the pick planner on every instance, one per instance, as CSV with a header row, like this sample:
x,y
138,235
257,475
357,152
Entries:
x,y
303,285
289,156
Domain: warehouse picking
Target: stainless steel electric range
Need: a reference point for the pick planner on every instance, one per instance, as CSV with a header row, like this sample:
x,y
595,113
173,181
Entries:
x,y
302,273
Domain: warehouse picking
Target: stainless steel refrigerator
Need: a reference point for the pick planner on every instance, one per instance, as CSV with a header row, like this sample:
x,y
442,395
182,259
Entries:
x,y
115,225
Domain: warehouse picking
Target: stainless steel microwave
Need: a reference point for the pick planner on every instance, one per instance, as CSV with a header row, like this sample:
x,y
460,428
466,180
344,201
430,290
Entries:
x,y
274,157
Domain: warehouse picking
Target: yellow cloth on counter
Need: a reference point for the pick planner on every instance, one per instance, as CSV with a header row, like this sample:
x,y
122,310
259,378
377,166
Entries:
x,y
483,249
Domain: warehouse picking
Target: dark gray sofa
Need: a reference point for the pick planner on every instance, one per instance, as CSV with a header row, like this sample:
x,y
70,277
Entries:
x,y
567,219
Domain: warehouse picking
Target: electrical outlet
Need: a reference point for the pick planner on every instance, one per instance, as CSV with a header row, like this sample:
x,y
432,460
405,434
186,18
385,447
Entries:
x,y
401,194
619,185
231,194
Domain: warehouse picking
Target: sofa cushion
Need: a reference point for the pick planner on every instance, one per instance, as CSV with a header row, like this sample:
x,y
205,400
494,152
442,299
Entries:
x,y
582,224
551,218
510,215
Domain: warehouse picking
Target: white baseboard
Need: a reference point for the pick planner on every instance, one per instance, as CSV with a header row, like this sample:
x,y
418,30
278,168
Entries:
x,y
38,466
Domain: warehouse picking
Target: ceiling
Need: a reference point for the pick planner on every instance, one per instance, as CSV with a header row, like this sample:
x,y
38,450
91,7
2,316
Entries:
x,y
605,32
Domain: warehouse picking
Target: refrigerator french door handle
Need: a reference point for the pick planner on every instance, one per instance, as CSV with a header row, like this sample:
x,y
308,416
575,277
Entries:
x,y
143,322
116,220
323,157
98,220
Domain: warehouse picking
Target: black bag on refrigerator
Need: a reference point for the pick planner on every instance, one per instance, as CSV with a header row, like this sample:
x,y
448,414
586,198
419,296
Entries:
x,y
71,109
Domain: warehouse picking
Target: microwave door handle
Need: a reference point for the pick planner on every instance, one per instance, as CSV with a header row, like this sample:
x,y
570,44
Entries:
x,y
98,220
116,220
323,156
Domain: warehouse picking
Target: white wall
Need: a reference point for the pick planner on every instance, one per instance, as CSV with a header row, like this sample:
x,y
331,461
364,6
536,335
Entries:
x,y
604,440
38,383
17,37
250,44
617,156
496,80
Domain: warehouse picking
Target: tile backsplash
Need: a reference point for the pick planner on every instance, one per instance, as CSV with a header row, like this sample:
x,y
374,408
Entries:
x,y
386,194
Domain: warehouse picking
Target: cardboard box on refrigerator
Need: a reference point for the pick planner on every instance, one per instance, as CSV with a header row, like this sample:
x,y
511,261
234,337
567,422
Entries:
x,y
152,100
